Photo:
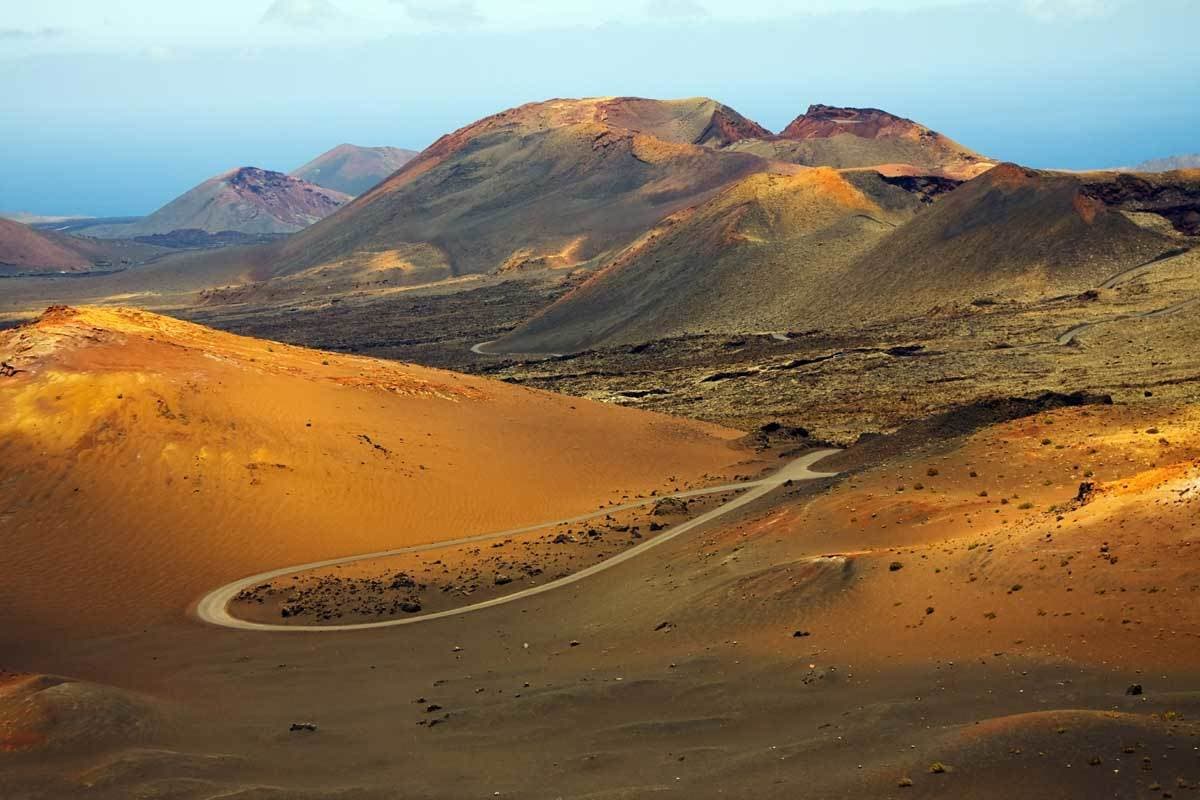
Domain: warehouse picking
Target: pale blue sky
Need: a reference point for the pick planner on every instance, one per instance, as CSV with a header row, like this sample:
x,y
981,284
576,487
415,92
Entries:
x,y
115,107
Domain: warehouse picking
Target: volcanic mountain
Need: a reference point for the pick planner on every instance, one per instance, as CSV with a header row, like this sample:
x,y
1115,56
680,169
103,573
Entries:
x,y
567,183
144,441
862,137
351,169
564,181
245,200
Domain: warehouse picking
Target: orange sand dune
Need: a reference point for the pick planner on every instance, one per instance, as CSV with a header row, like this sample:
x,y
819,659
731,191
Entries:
x,y
145,460
993,546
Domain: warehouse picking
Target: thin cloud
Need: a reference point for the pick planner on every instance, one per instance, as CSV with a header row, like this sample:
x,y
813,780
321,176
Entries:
x,y
1051,10
158,52
676,9
302,13
443,14
30,34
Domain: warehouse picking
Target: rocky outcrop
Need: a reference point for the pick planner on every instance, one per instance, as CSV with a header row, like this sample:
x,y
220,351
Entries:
x,y
823,122
1174,196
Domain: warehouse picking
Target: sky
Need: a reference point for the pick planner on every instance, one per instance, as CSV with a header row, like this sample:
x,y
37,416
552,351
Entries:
x,y
114,107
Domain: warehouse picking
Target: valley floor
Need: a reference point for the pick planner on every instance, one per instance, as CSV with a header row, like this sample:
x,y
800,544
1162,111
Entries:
x,y
1131,336
956,621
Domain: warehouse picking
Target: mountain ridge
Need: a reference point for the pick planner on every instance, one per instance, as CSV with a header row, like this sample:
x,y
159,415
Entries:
x,y
353,169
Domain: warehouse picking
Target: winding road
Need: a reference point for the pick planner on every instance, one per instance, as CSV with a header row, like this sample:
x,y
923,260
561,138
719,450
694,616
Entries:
x,y
213,608
1068,336
481,350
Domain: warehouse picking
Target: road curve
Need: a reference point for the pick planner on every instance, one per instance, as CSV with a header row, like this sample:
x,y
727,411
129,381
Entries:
x,y
480,349
213,608
1068,336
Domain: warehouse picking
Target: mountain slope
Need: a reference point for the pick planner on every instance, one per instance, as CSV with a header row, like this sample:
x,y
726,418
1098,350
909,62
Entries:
x,y
827,248
25,250
148,444
745,260
351,169
862,137
246,200
1010,233
577,176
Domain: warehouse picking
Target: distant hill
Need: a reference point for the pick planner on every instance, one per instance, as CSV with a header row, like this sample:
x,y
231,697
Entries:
x,y
351,169
245,200
24,250
832,136
1191,161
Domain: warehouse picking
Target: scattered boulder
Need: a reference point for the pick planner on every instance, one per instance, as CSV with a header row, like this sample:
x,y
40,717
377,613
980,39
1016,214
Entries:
x,y
776,433
669,506
402,581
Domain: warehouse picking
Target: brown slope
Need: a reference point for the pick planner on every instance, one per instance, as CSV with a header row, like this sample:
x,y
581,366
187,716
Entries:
x,y
862,137
746,260
696,120
24,250
1010,233
168,458
351,169
582,176
246,200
